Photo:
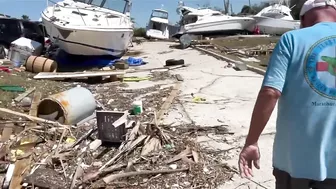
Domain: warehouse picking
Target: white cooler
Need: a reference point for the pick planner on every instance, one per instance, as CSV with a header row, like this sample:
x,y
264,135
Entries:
x,y
21,49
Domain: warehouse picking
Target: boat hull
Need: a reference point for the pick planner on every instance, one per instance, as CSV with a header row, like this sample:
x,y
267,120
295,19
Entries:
x,y
225,26
90,42
157,34
274,26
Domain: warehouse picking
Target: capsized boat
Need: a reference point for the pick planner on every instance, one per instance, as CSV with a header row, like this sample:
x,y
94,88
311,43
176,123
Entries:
x,y
87,27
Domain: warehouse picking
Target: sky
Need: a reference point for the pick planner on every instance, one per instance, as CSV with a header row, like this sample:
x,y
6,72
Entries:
x,y
141,9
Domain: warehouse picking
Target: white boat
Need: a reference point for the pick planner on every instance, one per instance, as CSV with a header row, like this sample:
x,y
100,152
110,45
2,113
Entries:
x,y
275,20
87,27
158,25
207,21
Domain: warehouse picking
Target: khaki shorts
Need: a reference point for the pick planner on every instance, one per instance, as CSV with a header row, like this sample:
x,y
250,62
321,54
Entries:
x,y
285,181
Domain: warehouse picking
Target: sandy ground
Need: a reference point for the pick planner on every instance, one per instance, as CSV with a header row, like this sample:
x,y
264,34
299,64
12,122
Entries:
x,y
230,97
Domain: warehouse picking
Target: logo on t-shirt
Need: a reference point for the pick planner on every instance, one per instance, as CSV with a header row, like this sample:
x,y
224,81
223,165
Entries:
x,y
320,67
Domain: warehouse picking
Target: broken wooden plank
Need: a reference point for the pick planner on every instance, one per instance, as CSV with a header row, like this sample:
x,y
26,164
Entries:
x,y
33,108
166,105
22,165
9,176
78,174
7,131
216,55
64,75
21,96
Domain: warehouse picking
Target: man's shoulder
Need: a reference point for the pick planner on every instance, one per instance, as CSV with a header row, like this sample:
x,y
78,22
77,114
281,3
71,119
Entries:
x,y
317,28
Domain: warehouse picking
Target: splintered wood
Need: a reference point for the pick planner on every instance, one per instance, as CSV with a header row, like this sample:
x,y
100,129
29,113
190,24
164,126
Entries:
x,y
22,166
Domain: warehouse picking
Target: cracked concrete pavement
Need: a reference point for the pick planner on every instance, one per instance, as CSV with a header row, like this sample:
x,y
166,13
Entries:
x,y
230,97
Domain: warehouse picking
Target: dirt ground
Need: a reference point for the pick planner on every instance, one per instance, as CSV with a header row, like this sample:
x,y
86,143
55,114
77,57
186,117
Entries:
x,y
115,96
242,43
25,80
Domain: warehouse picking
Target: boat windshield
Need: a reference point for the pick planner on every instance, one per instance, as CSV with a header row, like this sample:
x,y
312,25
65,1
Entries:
x,y
160,14
116,5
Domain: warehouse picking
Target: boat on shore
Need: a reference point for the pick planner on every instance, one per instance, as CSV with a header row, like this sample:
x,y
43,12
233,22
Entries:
x,y
157,27
208,21
93,28
275,20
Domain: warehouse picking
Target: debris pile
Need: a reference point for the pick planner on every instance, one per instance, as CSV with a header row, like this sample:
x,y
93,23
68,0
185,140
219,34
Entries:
x,y
51,156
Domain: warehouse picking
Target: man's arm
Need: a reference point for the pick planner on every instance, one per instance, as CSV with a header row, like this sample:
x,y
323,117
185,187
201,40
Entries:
x,y
271,90
262,111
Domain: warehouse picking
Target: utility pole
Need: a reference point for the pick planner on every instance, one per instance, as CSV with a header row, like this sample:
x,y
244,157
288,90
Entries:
x,y
249,3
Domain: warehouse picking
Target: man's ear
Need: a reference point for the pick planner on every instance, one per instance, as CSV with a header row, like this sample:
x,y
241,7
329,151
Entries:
x,y
302,21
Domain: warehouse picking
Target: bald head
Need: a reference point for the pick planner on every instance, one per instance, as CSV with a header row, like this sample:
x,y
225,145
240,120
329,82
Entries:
x,y
318,14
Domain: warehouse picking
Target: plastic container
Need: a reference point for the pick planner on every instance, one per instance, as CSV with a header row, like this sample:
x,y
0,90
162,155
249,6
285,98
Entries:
x,y
73,105
137,107
106,131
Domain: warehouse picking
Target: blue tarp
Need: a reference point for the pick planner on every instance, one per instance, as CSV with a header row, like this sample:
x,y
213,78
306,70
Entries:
x,y
68,62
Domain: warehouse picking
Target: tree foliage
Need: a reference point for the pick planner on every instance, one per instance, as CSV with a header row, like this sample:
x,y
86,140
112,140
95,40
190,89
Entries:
x,y
25,17
254,9
139,32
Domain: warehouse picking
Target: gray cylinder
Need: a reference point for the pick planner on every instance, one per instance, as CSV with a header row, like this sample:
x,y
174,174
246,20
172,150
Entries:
x,y
68,107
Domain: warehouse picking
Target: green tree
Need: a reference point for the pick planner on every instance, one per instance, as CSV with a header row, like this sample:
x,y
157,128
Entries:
x,y
254,9
25,17
139,32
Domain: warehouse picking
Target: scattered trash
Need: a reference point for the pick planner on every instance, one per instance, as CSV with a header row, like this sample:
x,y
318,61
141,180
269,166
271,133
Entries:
x,y
185,41
107,132
250,59
12,88
135,61
21,49
137,107
173,62
71,106
197,99
4,69
38,64
135,79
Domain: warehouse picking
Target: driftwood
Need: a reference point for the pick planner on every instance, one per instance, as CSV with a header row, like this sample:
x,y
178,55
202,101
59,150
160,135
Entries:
x,y
125,151
79,172
113,177
179,156
21,96
219,129
33,118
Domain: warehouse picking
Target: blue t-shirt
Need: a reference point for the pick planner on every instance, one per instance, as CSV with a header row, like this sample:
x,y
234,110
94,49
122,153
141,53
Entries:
x,y
303,69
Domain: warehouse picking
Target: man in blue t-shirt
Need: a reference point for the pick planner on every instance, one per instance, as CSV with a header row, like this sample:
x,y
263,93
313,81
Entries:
x,y
301,74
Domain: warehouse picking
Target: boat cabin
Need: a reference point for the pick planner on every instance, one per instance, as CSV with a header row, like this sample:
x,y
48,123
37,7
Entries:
x,y
277,11
158,25
122,6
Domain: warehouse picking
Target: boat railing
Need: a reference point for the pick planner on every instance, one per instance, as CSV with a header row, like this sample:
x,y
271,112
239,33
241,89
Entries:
x,y
82,8
54,6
